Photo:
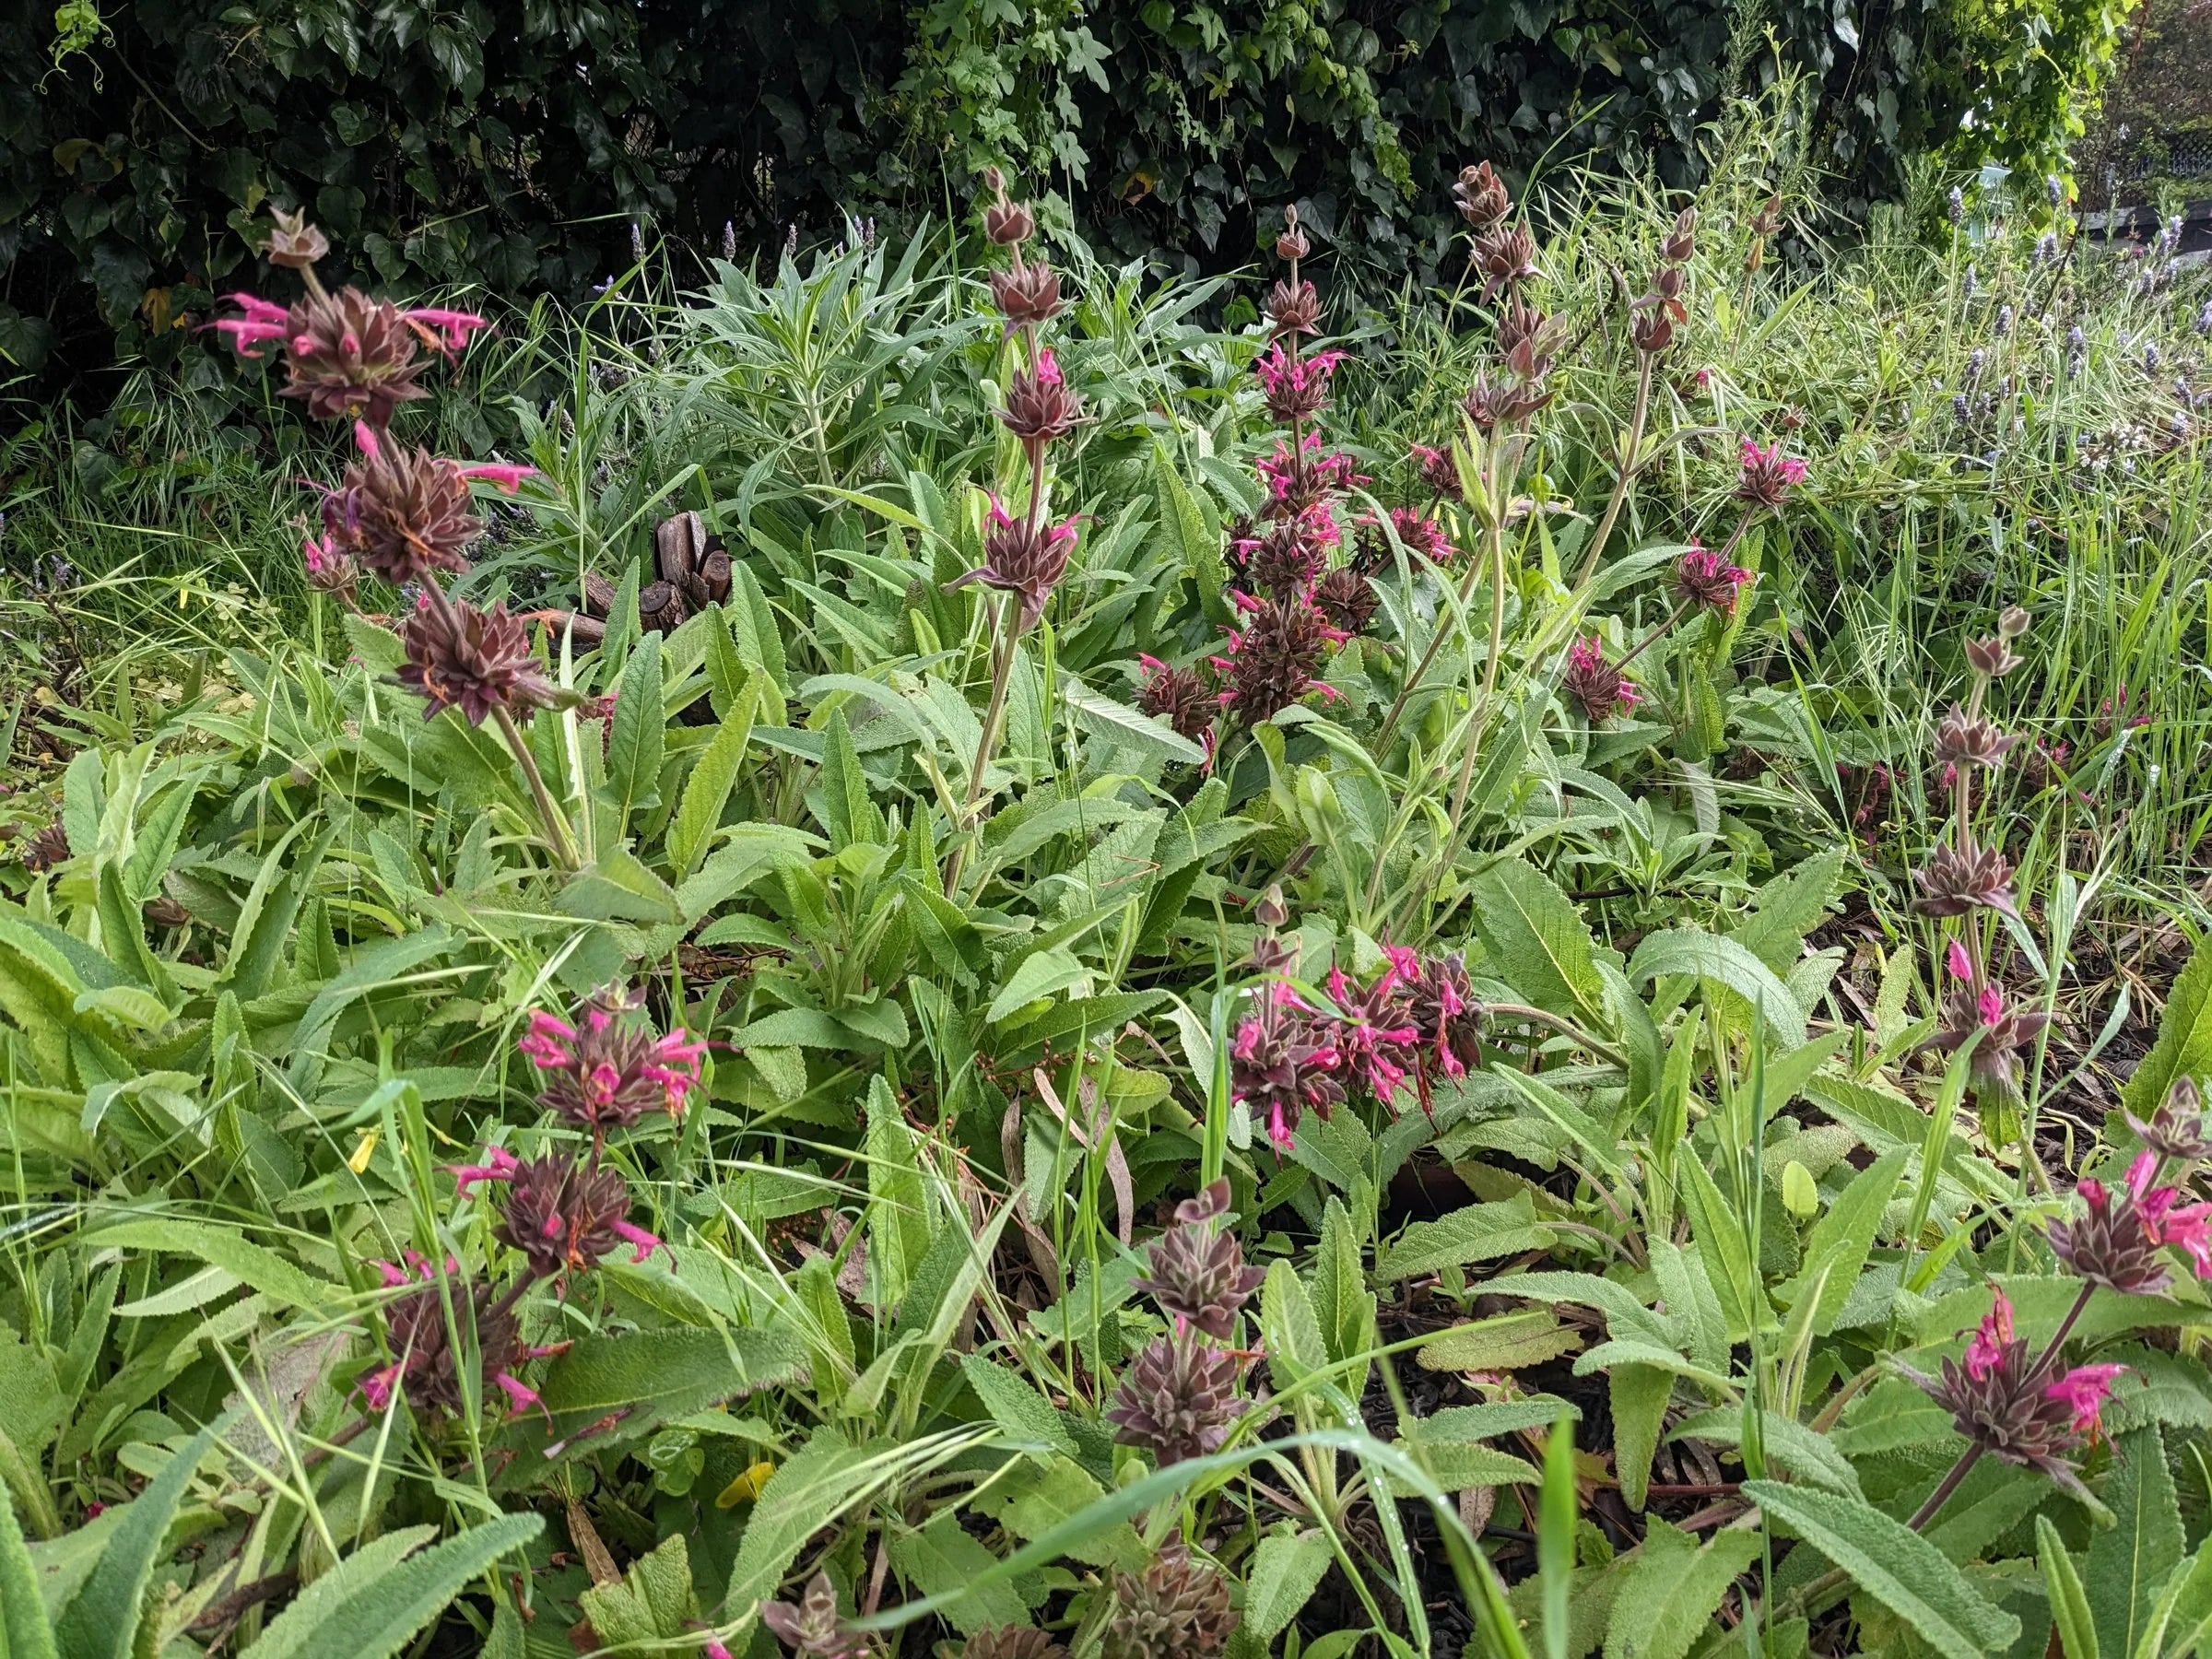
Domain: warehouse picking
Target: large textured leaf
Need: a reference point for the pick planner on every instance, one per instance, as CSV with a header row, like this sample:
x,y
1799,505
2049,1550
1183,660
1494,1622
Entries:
x,y
1285,1570
707,790
638,734
1537,940
102,1620
1788,908
302,1627
1125,727
807,1494
219,1247
1895,1565
2129,1562
24,1632
2076,1629
1687,951
375,1615
940,1559
654,1374
1674,1590
1481,1233
1501,1343
2184,1045
1638,1394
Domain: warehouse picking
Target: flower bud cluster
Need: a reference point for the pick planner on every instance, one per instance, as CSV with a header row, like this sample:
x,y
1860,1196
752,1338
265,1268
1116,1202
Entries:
x,y
399,513
1178,1397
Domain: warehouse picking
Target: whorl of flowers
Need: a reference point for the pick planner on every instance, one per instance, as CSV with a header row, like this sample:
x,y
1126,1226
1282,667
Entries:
x,y
1959,878
1438,471
1978,1004
1274,658
2176,1129
1196,1271
1285,556
2117,1240
607,1070
1283,1063
401,512
345,355
1506,255
1600,687
1704,580
1376,1033
1346,597
562,1215
1176,1400
1295,387
1040,407
1293,308
1174,1609
1766,474
1438,999
2013,1407
1299,479
461,656
1179,696
427,1370
1024,557
46,849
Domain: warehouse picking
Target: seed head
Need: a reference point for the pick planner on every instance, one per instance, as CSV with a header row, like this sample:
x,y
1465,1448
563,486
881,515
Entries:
x,y
294,242
1176,1400
1023,559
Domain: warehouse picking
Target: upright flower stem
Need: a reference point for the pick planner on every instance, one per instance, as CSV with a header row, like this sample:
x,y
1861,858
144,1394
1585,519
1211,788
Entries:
x,y
1436,643
1004,628
1627,473
557,829
549,816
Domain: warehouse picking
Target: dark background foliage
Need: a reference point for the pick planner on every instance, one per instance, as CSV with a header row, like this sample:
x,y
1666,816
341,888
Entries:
x,y
516,146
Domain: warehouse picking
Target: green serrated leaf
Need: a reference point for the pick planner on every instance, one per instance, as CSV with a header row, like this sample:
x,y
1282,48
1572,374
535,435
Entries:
x,y
1895,1565
2129,1563
1537,939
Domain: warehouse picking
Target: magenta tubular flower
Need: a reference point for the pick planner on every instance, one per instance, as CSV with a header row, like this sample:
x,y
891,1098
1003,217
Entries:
x,y
263,323
1987,1352
1438,470
1706,581
504,476
1769,475
2083,1392
1421,536
1600,687
1296,388
1276,659
1282,1064
607,1073
498,1165
1377,1035
444,330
